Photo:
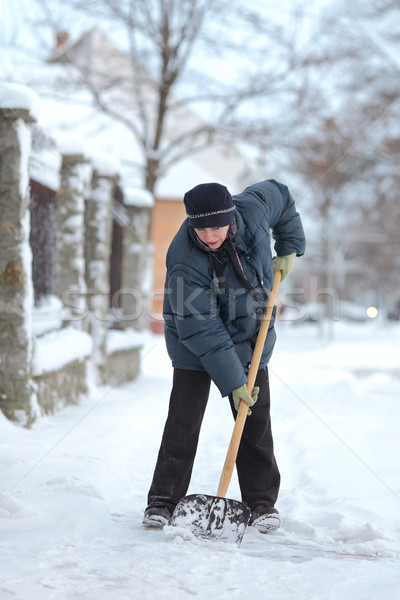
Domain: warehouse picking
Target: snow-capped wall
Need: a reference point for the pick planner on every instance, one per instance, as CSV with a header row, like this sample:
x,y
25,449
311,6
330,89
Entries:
x,y
17,394
19,97
98,251
138,197
76,174
61,203
138,257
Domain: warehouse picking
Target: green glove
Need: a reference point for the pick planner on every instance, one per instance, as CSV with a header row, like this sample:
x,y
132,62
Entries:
x,y
241,393
284,264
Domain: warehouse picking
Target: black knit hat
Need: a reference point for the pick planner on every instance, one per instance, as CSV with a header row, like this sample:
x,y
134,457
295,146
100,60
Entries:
x,y
209,205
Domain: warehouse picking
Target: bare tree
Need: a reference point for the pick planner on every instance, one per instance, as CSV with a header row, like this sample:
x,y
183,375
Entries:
x,y
350,155
228,65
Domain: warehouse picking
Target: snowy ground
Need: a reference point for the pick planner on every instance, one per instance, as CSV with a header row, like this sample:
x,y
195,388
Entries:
x,y
74,486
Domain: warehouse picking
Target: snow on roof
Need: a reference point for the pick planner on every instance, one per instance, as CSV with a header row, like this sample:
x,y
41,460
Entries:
x,y
205,167
183,177
18,96
140,197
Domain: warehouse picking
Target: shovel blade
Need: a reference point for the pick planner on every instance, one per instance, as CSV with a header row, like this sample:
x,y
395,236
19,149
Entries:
x,y
212,517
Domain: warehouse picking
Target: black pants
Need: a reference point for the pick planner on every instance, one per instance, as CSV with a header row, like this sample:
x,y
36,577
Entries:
x,y
257,470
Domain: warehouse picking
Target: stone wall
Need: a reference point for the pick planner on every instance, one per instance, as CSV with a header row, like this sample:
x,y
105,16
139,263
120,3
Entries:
x,y
75,181
45,349
63,386
17,391
137,256
122,365
98,243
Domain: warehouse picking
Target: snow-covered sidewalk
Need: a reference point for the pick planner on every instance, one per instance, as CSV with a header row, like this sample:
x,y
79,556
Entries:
x,y
73,488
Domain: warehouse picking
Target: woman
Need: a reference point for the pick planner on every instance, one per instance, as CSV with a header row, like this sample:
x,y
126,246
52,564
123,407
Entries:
x,y
219,275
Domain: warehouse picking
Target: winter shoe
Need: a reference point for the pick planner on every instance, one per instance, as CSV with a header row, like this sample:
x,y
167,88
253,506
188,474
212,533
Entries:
x,y
156,516
265,518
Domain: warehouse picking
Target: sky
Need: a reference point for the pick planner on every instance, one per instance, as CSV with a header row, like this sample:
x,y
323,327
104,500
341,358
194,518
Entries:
x,y
15,16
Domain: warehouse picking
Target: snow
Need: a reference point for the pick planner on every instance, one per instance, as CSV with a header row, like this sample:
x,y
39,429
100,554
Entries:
x,y
75,485
44,166
56,349
139,197
25,139
123,340
184,176
71,145
18,96
46,315
106,164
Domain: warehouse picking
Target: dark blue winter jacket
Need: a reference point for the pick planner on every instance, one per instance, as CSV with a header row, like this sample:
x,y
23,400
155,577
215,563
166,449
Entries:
x,y
211,327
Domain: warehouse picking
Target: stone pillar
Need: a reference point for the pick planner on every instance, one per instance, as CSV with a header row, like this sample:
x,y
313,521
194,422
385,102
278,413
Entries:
x,y
98,250
75,186
137,260
17,395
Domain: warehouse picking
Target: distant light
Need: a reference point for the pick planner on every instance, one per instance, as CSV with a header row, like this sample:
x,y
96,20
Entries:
x,y
372,312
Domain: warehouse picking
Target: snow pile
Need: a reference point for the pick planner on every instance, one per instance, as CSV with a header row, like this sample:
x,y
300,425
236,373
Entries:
x,y
18,96
71,145
138,197
75,486
122,340
106,164
58,348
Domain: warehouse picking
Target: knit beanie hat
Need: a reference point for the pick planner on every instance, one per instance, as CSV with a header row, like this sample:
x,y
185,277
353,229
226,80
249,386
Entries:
x,y
209,205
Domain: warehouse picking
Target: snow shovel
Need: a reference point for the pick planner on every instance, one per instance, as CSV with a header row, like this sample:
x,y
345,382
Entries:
x,y
217,517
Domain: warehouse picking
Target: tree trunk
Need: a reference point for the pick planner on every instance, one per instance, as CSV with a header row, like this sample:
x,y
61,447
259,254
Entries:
x,y
152,174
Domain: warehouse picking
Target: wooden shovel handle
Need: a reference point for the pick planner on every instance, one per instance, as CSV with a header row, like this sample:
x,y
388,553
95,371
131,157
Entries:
x,y
231,455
